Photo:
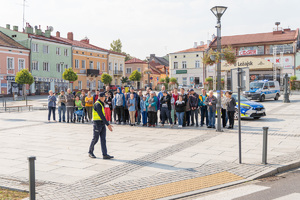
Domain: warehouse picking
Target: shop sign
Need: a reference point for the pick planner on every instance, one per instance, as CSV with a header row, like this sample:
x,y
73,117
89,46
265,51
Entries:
x,y
181,71
1,77
247,52
10,78
252,62
4,85
287,61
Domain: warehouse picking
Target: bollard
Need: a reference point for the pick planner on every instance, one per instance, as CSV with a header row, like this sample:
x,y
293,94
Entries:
x,y
265,145
31,160
5,105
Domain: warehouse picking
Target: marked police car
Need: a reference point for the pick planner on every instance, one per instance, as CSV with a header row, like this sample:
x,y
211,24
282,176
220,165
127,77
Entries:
x,y
249,108
264,89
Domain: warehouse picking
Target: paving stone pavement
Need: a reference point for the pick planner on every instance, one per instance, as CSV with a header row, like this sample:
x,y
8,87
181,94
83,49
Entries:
x,y
145,157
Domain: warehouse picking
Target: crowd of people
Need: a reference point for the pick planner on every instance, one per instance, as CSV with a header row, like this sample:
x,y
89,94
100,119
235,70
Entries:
x,y
181,108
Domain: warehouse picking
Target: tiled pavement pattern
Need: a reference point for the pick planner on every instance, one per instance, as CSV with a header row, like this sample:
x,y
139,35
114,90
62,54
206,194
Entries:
x,y
151,157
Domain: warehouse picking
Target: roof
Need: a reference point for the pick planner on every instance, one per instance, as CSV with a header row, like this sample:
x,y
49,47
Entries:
x,y
197,49
289,35
51,39
135,60
160,60
6,41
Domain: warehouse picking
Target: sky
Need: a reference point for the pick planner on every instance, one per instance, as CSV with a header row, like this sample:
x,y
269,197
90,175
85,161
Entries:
x,y
150,26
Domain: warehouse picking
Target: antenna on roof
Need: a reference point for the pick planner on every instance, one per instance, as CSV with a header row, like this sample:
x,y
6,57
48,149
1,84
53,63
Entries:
x,y
24,5
277,24
50,28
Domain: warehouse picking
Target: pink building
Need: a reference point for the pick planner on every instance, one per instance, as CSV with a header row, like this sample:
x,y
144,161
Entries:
x,y
13,58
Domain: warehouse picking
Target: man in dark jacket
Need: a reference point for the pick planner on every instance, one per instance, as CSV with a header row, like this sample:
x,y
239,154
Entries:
x,y
165,106
184,98
211,102
194,98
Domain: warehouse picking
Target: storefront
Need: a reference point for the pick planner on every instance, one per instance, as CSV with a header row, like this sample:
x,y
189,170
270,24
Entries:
x,y
43,85
11,86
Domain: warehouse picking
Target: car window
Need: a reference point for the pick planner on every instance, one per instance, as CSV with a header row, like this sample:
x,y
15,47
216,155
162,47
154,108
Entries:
x,y
242,98
271,85
266,86
256,85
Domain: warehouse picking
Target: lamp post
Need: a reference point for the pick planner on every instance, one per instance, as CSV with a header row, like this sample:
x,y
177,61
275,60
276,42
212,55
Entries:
x,y
218,11
61,70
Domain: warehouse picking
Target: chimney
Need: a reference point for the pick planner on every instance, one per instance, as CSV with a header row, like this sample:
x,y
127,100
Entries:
x,y
57,34
70,36
286,29
8,26
47,33
15,28
85,40
195,44
28,30
201,43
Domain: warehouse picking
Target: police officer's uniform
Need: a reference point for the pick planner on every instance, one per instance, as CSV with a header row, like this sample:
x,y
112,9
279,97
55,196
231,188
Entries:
x,y
99,129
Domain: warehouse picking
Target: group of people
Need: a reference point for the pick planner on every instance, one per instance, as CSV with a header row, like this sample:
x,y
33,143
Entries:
x,y
148,109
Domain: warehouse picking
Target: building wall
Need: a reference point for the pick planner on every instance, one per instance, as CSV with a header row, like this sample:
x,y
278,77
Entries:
x,y
136,66
7,77
297,63
89,55
190,74
117,65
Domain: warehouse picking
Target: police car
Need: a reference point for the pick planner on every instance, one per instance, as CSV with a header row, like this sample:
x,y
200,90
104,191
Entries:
x,y
264,89
249,108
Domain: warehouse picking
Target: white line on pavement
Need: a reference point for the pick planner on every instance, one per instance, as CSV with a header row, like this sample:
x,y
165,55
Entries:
x,y
289,197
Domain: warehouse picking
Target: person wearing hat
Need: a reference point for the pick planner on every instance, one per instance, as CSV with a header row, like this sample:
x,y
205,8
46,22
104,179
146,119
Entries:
x,y
99,129
165,105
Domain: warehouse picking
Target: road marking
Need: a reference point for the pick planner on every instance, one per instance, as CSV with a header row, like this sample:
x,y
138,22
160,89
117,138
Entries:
x,y
235,193
289,197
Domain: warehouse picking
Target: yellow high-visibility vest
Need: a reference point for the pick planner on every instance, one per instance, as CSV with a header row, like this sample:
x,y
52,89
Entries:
x,y
96,117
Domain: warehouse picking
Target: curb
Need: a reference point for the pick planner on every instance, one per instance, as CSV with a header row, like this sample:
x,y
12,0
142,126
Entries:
x,y
266,173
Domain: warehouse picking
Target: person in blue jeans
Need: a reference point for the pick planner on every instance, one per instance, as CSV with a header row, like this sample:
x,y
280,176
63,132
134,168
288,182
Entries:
x,y
144,110
61,102
180,110
51,105
211,102
203,108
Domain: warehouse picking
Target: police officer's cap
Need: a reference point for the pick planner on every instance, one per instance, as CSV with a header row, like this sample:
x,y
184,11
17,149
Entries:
x,y
102,94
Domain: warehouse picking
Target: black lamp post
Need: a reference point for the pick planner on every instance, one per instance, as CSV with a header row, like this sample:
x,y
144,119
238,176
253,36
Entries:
x,y
218,11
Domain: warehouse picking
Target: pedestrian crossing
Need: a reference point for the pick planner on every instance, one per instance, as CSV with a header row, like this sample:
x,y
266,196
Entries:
x,y
242,191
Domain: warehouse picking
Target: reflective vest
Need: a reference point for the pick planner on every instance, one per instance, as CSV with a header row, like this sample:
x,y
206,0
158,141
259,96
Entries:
x,y
96,117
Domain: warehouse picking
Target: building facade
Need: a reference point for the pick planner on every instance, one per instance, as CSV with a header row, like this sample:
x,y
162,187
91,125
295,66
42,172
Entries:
x,y
297,61
141,66
187,66
116,65
13,58
49,57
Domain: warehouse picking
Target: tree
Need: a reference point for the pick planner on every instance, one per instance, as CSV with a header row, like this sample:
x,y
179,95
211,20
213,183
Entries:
x,y
135,76
70,75
106,79
167,79
161,80
173,80
124,80
23,77
116,46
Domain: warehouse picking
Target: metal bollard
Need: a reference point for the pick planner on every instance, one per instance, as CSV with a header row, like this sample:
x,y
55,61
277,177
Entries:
x,y
265,145
5,105
31,160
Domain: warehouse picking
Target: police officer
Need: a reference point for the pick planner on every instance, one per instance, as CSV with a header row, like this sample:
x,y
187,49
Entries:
x,y
99,127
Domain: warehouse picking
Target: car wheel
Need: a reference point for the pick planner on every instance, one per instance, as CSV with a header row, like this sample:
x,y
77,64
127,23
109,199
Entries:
x,y
256,117
276,97
236,114
262,98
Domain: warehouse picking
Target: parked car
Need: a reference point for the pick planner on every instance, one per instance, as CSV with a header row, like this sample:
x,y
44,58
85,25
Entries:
x,y
184,86
114,87
261,90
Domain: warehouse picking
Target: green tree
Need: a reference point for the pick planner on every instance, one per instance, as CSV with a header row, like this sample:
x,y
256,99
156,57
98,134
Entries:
x,y
167,79
23,77
173,80
124,80
116,46
106,79
135,76
70,75
161,80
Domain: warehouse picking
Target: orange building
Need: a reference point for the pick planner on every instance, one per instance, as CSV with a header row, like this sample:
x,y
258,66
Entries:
x,y
88,61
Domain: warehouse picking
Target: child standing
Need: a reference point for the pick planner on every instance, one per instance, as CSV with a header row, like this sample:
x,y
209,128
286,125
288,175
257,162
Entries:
x,y
131,103
143,110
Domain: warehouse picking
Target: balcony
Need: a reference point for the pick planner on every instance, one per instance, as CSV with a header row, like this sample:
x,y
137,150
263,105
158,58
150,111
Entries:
x,y
118,73
92,72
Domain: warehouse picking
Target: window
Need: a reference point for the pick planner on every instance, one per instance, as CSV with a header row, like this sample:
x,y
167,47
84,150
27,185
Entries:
x,y
128,70
83,64
91,65
45,66
197,55
35,65
45,49
88,84
109,66
98,66
116,66
58,51
10,63
121,67
76,64
79,85
175,65
103,66
66,66
66,52
285,48
271,85
184,56
253,50
175,56
197,64
35,47
21,64
184,80
183,64
58,68
139,69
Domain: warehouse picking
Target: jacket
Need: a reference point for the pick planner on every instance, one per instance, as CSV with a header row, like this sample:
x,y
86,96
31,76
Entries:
x,y
108,101
166,100
132,107
153,104
82,98
61,99
120,97
230,104
51,101
70,100
180,106
194,99
143,105
202,100
214,102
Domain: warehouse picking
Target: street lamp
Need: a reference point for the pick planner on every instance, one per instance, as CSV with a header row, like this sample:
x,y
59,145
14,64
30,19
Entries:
x,y
218,11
